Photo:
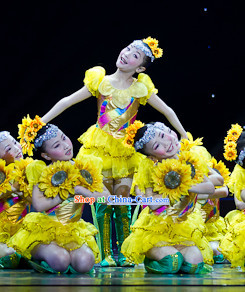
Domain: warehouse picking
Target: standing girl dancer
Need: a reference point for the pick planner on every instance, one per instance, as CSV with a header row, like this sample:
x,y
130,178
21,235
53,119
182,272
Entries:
x,y
59,240
232,244
118,97
168,238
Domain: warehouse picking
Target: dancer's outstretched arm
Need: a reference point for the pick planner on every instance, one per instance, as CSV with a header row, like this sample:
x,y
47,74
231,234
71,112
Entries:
x,y
65,103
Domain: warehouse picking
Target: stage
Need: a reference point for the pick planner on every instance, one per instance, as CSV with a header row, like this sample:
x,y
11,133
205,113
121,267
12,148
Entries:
x,y
123,279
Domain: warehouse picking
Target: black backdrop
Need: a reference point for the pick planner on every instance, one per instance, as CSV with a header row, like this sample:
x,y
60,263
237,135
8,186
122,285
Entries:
x,y
46,46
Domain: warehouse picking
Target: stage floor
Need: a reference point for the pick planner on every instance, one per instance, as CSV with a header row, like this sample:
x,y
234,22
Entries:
x,y
223,278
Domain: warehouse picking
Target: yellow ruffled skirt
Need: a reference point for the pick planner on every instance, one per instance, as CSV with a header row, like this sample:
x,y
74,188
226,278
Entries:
x,y
118,161
216,229
151,231
7,227
38,228
232,245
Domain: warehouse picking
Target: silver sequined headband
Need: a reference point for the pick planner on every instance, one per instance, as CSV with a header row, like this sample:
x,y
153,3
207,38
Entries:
x,y
241,157
4,135
50,133
148,135
241,154
140,45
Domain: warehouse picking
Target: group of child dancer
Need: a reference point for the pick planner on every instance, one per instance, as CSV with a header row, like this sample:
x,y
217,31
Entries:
x,y
40,220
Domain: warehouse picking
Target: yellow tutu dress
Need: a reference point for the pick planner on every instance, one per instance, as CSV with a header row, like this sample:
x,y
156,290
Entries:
x,y
232,245
117,109
177,224
13,209
61,224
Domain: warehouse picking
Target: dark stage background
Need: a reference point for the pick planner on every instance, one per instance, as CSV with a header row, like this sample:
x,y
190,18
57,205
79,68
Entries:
x,y
46,46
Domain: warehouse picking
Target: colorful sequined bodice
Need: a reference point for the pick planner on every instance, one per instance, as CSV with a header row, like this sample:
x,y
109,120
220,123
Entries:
x,y
211,209
180,210
115,120
15,208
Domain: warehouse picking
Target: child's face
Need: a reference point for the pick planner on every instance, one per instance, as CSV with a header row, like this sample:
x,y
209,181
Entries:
x,y
10,150
164,145
58,148
130,59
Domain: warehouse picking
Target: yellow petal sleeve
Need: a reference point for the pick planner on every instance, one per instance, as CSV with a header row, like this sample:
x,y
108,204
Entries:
x,y
237,181
34,171
143,178
146,80
93,78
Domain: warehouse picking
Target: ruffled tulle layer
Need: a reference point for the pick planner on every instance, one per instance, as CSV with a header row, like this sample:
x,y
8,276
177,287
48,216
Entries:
x,y
232,245
151,231
234,217
8,228
216,230
118,161
38,228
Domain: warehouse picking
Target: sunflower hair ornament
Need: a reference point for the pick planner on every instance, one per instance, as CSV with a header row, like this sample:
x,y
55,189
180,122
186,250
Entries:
x,y
150,47
59,178
131,132
6,175
230,142
28,132
148,134
172,179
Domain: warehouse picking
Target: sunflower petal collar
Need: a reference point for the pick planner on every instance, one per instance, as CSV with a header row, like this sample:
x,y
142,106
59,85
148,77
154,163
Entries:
x,y
4,135
150,47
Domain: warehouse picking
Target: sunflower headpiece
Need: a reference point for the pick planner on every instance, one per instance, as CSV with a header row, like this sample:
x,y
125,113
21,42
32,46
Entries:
x,y
131,132
28,132
150,47
230,142
148,134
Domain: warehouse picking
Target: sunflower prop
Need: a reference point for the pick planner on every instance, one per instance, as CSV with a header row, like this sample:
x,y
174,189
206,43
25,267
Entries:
x,y
198,168
59,178
28,132
221,169
90,174
172,179
233,134
187,144
19,174
6,175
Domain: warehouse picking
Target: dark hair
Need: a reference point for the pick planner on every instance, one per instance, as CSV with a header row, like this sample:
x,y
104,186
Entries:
x,y
147,60
241,144
41,149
